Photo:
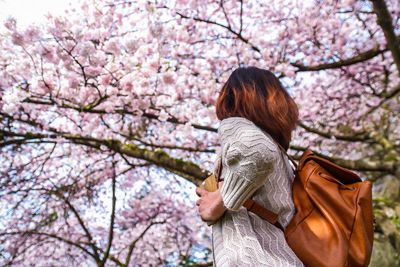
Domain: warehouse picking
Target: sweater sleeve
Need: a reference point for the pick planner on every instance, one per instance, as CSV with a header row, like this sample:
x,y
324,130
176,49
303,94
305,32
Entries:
x,y
248,157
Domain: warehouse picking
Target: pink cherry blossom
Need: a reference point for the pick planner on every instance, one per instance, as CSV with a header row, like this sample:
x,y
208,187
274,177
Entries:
x,y
96,102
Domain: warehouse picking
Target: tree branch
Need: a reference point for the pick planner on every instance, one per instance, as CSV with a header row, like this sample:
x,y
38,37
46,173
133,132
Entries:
x,y
363,164
357,137
206,264
112,219
342,63
118,111
54,236
82,224
384,20
237,34
386,97
133,243
186,169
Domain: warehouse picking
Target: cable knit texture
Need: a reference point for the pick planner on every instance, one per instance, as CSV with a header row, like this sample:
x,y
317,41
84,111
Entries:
x,y
252,166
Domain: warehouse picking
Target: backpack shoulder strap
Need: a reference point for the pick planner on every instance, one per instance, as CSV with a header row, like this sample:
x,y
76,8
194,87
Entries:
x,y
262,212
289,157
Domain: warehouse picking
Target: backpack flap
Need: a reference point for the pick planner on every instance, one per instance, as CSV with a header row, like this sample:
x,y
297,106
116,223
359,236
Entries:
x,y
345,176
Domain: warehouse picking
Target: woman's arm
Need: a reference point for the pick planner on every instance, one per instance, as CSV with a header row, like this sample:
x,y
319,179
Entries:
x,y
249,156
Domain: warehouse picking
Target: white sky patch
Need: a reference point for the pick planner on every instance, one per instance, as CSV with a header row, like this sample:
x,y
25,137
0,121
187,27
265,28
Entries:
x,y
27,12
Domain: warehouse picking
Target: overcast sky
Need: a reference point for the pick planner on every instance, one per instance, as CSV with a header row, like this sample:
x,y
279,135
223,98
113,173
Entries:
x,y
32,11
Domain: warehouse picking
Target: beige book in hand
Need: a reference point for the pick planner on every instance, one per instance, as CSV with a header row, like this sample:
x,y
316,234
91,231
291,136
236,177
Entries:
x,y
210,183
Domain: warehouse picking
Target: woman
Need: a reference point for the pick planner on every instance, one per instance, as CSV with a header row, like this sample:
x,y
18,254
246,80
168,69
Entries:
x,y
256,115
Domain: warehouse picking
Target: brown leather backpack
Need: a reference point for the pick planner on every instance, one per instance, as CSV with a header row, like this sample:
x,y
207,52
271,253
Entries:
x,y
333,223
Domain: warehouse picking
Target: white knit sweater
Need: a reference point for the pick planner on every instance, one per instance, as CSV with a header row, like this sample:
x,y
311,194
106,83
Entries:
x,y
252,165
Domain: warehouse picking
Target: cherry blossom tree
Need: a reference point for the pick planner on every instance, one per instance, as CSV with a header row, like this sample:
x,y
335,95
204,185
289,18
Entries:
x,y
108,121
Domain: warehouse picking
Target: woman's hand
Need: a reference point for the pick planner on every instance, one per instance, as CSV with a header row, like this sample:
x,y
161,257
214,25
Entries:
x,y
210,205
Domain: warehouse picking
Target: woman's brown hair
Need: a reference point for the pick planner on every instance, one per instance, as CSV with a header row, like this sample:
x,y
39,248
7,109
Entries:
x,y
257,95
